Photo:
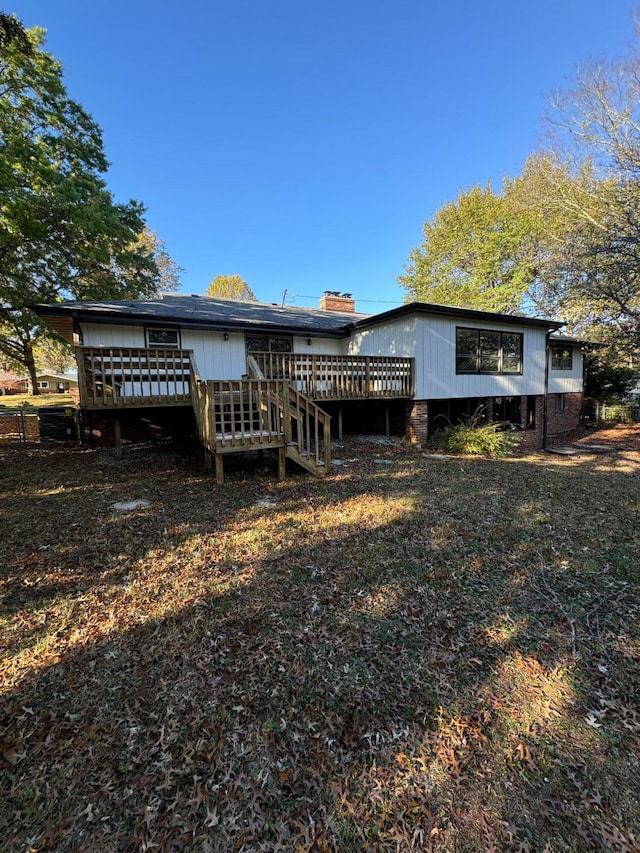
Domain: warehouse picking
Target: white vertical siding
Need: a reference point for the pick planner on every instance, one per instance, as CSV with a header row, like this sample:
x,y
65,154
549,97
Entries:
x,y
108,335
396,338
436,376
320,346
216,358
566,381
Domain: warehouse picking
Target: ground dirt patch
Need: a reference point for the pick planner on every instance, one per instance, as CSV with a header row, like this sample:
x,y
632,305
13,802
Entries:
x,y
415,656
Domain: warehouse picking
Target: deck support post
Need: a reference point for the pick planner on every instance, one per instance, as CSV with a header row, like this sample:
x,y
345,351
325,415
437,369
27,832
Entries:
x,y
339,423
118,434
282,455
219,468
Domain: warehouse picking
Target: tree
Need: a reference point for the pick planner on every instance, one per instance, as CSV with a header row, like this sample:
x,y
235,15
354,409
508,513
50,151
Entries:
x,y
62,235
606,379
563,237
594,131
478,252
169,271
54,354
230,287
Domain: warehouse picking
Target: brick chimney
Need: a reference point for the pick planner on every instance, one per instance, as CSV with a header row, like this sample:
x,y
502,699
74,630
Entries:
x,y
335,301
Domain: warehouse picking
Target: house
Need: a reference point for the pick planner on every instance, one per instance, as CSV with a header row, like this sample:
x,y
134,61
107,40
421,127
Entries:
x,y
51,383
259,375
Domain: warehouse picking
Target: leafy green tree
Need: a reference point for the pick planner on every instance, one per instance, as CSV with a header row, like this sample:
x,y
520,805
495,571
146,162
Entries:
x,y
230,287
606,379
54,354
595,136
563,237
62,235
479,251
169,272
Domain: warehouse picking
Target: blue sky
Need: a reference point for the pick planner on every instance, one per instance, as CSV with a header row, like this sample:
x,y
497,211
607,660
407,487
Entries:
x,y
303,144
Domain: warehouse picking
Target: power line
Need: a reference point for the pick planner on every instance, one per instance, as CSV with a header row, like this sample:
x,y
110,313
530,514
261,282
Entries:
x,y
381,301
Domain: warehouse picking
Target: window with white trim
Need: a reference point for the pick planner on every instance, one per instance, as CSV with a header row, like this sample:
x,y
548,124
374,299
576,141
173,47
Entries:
x,y
159,337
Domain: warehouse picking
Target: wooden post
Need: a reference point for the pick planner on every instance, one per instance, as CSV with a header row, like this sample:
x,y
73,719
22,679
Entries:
x,y
340,423
282,455
220,468
286,414
118,432
327,446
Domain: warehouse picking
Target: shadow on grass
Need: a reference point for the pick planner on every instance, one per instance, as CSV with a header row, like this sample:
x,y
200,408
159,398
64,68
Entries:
x,y
403,657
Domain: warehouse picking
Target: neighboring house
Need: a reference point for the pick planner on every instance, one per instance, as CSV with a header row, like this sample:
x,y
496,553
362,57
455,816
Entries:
x,y
51,383
9,383
413,368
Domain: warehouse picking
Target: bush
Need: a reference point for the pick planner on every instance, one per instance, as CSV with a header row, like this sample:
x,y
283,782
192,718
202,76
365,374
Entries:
x,y
495,440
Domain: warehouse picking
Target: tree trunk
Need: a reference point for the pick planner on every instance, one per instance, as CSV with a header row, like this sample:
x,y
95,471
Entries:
x,y
30,364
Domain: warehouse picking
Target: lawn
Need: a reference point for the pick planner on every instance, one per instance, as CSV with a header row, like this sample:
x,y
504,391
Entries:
x,y
9,402
411,654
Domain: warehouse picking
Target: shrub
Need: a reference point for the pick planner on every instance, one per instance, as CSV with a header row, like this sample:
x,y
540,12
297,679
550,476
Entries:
x,y
495,440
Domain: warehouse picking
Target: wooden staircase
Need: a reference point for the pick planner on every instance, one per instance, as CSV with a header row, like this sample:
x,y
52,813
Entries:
x,y
257,414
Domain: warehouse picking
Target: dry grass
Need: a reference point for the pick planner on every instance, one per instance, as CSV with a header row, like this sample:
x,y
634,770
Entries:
x,y
29,401
410,656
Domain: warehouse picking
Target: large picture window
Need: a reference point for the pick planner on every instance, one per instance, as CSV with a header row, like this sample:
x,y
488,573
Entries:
x,y
484,351
561,358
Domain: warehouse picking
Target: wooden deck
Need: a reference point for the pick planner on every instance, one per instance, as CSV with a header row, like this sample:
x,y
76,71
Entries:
x,y
121,377
112,377
260,414
275,408
340,377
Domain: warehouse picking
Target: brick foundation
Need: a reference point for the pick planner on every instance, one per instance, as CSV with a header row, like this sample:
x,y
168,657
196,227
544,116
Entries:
x,y
417,421
531,438
569,418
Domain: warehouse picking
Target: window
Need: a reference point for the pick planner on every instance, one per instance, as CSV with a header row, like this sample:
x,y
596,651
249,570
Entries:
x,y
43,384
559,402
507,410
561,358
483,351
163,338
266,343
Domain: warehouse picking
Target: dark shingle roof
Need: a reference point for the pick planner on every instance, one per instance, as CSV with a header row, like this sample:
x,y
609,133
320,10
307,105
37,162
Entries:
x,y
206,312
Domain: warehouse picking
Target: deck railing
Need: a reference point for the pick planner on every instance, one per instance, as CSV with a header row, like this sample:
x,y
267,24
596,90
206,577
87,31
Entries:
x,y
111,377
246,414
340,377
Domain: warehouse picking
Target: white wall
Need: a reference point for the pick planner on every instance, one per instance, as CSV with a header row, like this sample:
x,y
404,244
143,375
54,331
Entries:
x,y
108,335
431,340
216,358
566,381
397,337
436,376
320,346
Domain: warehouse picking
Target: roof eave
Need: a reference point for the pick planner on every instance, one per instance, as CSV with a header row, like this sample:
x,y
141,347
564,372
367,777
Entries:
x,y
450,311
